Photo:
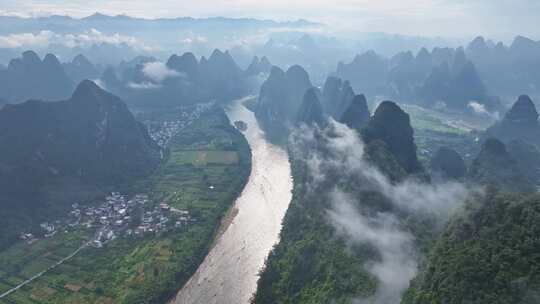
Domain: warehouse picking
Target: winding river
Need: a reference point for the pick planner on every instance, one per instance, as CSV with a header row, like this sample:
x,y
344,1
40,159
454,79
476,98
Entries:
x,y
229,273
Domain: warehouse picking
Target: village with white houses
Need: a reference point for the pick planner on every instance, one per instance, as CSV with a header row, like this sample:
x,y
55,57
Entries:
x,y
164,131
118,217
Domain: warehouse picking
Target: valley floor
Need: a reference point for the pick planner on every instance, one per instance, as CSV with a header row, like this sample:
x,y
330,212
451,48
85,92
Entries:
x,y
205,168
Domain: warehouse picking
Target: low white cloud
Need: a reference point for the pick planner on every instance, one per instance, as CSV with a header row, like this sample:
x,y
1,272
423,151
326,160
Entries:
x,y
93,36
158,71
198,39
100,83
88,38
481,110
41,39
143,86
397,264
334,157
5,13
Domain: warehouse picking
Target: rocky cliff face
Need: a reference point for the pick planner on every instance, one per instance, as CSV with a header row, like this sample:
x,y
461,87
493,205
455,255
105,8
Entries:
x,y
357,115
311,112
280,99
391,125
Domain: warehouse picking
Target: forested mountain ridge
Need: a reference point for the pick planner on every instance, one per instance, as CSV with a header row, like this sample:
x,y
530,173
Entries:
x,y
55,153
488,254
92,135
30,77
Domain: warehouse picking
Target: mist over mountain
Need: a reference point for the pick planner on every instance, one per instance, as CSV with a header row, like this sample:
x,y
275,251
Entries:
x,y
180,80
108,39
345,210
468,257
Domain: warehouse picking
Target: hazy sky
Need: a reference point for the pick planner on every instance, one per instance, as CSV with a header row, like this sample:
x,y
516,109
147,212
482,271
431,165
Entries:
x,y
500,19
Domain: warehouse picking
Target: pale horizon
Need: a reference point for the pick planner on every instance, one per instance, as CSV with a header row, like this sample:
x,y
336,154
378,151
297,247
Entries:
x,y
497,20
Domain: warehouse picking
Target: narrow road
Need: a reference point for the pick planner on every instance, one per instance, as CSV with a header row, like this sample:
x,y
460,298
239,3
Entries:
x,y
12,290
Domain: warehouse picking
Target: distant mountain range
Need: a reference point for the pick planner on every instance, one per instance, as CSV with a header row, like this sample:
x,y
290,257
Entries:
x,y
451,77
508,70
125,23
29,77
141,81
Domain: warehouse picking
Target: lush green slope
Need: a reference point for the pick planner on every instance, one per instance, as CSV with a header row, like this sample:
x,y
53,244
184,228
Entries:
x,y
311,264
490,254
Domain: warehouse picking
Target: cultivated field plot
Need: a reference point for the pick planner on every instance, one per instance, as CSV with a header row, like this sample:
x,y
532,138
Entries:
x,y
424,119
22,261
204,158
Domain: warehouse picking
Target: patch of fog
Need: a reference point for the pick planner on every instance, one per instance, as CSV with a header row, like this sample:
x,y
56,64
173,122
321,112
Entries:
x,y
481,110
339,151
100,84
397,264
159,71
146,85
